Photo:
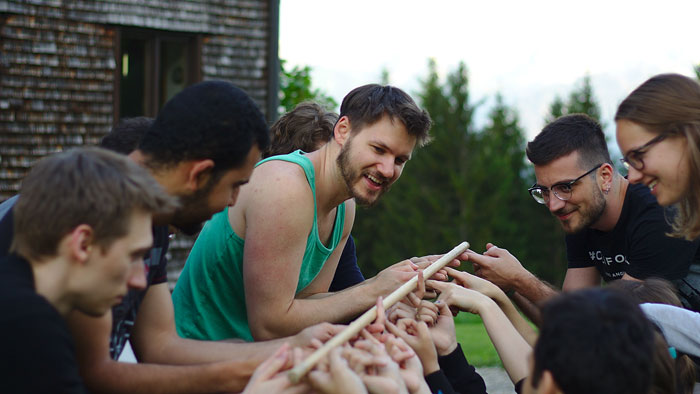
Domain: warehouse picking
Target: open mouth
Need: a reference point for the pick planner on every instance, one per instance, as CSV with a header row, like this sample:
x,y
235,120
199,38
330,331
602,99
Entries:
x,y
652,185
374,181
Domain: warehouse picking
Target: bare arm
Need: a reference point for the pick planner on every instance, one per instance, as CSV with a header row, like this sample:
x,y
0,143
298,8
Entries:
x,y
214,366
511,347
277,227
495,293
581,278
104,375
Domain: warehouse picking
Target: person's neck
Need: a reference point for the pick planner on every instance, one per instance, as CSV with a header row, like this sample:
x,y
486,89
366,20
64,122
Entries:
x,y
51,280
331,190
614,201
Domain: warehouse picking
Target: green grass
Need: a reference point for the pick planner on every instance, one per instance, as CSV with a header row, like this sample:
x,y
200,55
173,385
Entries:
x,y
475,342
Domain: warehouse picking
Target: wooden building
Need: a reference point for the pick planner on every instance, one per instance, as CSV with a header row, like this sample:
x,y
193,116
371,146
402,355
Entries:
x,y
69,69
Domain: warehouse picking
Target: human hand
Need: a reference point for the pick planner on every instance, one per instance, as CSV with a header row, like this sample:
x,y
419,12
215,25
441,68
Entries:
x,y
473,282
417,336
498,266
459,297
381,373
443,332
392,277
413,306
320,332
424,261
334,376
269,378
411,368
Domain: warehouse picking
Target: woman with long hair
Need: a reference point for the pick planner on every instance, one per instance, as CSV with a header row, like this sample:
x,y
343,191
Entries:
x,y
658,131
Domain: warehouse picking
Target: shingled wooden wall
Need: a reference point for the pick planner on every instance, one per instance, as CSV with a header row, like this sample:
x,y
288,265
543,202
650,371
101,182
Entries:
x,y
58,67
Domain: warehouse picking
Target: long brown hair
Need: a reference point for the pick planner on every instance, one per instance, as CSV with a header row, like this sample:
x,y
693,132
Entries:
x,y
670,103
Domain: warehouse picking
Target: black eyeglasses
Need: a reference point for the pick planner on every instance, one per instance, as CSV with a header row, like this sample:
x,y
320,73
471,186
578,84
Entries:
x,y
561,190
635,157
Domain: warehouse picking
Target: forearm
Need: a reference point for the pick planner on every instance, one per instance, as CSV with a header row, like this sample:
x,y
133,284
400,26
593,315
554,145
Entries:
x,y
304,312
520,324
511,347
533,289
528,308
181,351
117,377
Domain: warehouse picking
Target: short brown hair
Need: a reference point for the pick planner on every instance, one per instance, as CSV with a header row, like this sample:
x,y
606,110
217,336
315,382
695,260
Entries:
x,y
670,103
305,127
89,186
367,104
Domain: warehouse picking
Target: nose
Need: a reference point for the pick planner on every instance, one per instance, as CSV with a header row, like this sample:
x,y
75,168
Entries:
x,y
554,204
137,277
634,175
386,167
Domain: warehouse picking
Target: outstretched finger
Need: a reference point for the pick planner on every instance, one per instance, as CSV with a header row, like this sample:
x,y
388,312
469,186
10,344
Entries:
x,y
420,291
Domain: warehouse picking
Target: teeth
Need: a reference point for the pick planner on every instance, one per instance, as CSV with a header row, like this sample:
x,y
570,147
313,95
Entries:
x,y
652,184
373,179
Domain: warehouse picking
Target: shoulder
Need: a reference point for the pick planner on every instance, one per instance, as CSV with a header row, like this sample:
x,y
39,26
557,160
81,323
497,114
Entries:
x,y
278,173
277,189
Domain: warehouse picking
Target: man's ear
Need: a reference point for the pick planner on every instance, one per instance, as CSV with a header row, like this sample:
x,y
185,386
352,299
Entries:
x,y
198,174
607,173
81,243
341,131
547,385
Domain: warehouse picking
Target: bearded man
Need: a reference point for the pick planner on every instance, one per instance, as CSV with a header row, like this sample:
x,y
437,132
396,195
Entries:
x,y
262,268
615,230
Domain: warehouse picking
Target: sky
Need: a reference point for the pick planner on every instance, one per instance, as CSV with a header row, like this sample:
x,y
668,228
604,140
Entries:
x,y
529,51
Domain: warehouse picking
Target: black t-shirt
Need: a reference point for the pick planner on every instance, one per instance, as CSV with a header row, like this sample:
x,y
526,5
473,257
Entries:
x,y
347,274
638,245
124,314
38,355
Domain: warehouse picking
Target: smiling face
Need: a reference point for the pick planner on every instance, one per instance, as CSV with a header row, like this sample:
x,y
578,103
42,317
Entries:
x,y
214,196
372,159
666,166
586,204
108,274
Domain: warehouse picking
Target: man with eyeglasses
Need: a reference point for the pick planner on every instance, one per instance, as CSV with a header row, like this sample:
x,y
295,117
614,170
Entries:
x,y
615,230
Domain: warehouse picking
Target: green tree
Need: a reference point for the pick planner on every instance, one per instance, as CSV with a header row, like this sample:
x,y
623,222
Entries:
x,y
581,100
296,87
426,210
697,72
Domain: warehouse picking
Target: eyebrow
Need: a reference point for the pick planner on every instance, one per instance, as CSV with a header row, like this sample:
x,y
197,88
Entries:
x,y
553,184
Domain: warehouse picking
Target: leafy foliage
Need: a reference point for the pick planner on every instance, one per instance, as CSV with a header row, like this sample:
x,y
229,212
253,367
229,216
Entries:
x,y
296,87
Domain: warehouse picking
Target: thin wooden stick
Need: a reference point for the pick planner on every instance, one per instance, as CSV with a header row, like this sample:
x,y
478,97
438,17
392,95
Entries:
x,y
296,373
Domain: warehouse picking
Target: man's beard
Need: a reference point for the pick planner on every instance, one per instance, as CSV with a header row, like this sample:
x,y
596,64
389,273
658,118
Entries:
x,y
194,210
589,215
351,175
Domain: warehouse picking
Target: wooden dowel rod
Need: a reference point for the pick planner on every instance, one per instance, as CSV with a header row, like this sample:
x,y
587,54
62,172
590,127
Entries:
x,y
296,373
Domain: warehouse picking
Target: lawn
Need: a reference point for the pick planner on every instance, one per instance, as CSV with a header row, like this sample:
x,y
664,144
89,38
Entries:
x,y
475,342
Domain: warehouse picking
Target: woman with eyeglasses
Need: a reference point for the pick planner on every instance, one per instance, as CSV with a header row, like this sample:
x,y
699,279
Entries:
x,y
658,130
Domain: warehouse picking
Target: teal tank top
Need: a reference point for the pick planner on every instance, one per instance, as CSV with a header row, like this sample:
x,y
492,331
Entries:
x,y
209,299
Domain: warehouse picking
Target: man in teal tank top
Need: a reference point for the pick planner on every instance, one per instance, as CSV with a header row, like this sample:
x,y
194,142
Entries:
x,y
261,269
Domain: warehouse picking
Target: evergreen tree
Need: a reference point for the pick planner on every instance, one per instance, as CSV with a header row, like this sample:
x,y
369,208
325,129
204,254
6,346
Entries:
x,y
581,100
296,87
426,211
